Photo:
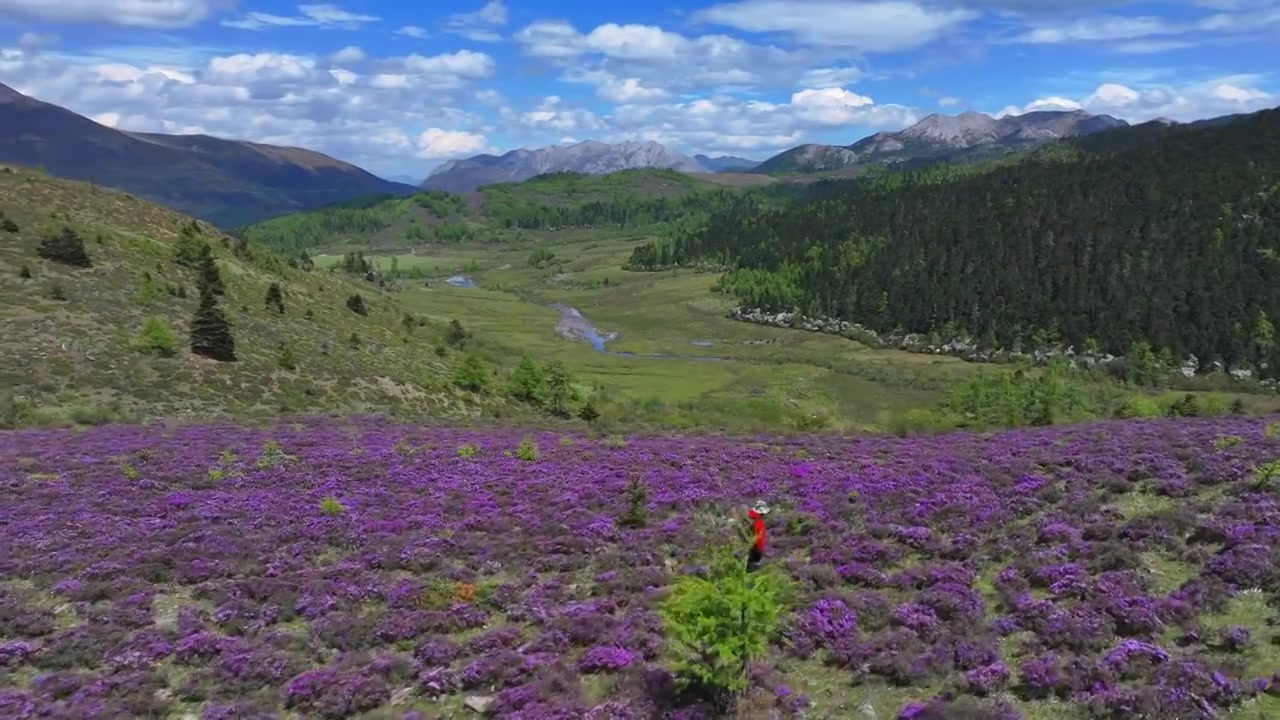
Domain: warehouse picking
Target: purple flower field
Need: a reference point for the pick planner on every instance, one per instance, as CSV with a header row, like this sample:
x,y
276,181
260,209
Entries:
x,y
368,569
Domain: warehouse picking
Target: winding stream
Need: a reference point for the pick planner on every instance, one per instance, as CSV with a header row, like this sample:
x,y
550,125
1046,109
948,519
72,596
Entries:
x,y
573,326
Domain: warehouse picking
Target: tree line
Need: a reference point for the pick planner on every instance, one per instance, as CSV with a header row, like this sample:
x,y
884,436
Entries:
x,y
1096,242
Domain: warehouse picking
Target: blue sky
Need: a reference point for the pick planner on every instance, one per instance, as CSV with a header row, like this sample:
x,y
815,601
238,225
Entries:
x,y
400,87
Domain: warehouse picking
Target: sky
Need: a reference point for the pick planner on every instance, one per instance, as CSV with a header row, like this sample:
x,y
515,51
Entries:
x,y
399,87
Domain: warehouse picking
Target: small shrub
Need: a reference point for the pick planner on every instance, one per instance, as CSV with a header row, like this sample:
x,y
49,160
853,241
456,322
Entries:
x,y
8,225
157,338
354,341
67,247
528,450
356,304
718,621
57,291
588,412
308,315
24,272
468,451
286,360
637,501
331,506
456,336
472,374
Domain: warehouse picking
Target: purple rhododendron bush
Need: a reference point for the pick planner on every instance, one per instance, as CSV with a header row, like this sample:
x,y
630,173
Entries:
x,y
364,568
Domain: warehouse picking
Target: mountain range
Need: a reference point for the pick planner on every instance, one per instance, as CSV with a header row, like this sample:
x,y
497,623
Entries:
x,y
227,182
589,157
967,137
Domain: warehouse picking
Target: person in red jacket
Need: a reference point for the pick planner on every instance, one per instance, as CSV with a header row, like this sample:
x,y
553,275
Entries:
x,y
756,553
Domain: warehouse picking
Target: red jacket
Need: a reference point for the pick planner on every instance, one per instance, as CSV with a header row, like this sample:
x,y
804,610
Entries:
x,y
759,528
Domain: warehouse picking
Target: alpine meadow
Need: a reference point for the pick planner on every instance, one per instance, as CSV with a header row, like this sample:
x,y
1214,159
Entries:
x,y
766,400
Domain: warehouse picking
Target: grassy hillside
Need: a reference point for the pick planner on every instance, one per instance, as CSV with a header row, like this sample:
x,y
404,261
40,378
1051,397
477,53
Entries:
x,y
68,345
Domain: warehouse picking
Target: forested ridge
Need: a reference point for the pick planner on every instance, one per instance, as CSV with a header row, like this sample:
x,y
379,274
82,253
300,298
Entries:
x,y
629,199
1098,242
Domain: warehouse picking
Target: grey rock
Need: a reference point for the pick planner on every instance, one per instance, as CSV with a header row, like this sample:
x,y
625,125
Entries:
x,y
482,704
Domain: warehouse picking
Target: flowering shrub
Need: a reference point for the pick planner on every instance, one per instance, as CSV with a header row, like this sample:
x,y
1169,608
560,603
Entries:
x,y
330,569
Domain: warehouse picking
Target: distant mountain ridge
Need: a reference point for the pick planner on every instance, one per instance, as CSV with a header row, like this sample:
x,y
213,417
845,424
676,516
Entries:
x,y
969,136
589,157
226,182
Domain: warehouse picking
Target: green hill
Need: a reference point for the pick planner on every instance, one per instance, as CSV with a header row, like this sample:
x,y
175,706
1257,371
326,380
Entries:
x,y
626,199
71,333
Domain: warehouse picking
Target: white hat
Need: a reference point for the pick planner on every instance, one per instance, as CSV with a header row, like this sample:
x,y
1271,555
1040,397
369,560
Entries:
x,y
761,507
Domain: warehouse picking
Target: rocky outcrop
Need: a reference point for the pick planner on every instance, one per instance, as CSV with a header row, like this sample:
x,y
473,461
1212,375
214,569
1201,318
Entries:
x,y
966,348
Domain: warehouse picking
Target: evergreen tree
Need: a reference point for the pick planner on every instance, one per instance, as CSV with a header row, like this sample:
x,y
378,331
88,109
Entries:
x,y
274,297
210,331
559,388
187,250
67,247
208,276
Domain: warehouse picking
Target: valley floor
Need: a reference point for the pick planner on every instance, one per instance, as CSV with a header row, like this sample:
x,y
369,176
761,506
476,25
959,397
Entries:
x,y
660,344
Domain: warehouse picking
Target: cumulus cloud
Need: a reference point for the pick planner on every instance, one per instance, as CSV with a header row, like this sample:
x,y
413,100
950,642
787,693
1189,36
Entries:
x,y
134,13
659,59
481,25
1223,96
852,25
325,16
437,144
412,31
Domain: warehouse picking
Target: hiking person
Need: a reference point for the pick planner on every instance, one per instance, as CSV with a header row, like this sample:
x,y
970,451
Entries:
x,y
756,553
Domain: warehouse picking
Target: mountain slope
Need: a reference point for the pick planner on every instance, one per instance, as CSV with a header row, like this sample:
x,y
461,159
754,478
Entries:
x,y
725,163
967,137
1160,234
589,157
67,345
226,182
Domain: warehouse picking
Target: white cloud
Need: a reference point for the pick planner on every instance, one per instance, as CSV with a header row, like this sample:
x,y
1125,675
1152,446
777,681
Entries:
x,y
830,77
437,144
412,31
1222,96
659,59
851,25
1241,19
481,25
948,102
135,13
720,123
350,54
324,15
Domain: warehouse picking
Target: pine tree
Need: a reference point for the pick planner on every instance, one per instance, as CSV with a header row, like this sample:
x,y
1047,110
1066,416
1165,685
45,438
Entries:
x,y
67,247
210,331
456,336
209,276
274,297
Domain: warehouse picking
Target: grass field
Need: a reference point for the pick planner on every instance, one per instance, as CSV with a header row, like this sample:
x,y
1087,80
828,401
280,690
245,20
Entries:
x,y
769,378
